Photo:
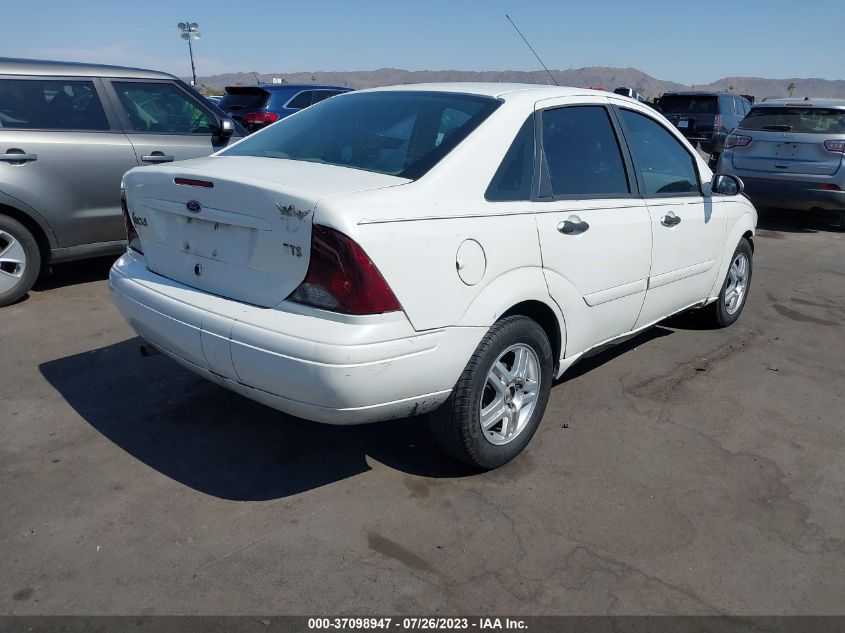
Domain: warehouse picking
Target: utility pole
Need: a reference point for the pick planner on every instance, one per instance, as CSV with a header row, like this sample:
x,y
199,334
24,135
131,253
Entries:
x,y
190,32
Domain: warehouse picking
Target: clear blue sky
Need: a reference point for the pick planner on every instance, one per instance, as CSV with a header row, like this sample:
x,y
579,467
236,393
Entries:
x,y
667,39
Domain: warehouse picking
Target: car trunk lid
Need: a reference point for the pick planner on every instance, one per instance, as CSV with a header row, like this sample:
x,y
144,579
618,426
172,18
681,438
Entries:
x,y
783,152
239,227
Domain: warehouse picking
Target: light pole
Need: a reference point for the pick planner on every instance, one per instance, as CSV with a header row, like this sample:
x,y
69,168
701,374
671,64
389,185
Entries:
x,y
190,32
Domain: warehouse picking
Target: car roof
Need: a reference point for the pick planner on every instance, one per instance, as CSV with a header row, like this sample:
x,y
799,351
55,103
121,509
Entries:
x,y
271,87
492,89
14,66
699,93
803,102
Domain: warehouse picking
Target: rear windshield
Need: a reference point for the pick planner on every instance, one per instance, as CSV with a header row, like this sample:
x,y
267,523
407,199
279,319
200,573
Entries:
x,y
244,98
397,133
689,104
807,120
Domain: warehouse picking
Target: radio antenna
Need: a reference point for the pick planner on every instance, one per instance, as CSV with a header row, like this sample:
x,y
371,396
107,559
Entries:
x,y
532,49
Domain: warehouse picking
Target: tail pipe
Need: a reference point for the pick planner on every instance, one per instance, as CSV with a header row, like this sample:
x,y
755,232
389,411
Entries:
x,y
148,350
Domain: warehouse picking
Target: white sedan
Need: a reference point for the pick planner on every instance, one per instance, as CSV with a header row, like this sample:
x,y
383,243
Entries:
x,y
448,249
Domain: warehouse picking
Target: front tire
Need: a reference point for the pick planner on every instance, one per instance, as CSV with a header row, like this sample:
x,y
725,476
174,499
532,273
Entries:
x,y
20,260
499,400
727,308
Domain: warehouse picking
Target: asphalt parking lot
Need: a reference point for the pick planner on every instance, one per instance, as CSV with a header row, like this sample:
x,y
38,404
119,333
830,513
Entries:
x,y
686,471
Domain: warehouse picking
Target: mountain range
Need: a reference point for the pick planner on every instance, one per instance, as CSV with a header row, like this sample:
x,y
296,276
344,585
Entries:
x,y
608,78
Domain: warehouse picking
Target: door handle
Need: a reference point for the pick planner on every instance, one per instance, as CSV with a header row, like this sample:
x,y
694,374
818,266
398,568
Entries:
x,y
17,156
572,226
670,219
157,157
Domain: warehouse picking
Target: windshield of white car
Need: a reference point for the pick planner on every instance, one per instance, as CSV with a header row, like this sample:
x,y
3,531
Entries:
x,y
796,119
400,133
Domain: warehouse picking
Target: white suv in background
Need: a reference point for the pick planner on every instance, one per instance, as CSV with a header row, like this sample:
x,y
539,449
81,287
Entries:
x,y
447,249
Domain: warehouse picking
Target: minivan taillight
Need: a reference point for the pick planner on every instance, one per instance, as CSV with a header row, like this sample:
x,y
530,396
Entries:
x,y
717,123
131,232
342,278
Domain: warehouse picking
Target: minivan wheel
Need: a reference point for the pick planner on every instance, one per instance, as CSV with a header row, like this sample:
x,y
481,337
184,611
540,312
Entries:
x,y
20,260
727,308
500,398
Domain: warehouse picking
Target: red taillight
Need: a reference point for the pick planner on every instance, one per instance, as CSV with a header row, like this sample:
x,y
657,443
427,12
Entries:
x,y
829,186
342,278
260,118
717,123
835,146
737,141
129,225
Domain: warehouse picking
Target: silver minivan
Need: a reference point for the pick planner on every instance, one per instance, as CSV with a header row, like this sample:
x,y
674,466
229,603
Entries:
x,y
790,153
68,133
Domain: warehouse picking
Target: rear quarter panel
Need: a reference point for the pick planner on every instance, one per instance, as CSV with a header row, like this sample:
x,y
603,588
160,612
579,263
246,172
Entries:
x,y
413,232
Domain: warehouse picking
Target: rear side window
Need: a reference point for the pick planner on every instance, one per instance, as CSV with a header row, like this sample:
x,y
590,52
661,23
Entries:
x,y
664,165
400,133
513,178
796,119
689,104
162,108
320,95
39,104
581,155
302,100
244,98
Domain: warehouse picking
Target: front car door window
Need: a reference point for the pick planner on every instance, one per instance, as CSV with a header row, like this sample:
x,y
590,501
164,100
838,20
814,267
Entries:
x,y
666,168
162,108
687,229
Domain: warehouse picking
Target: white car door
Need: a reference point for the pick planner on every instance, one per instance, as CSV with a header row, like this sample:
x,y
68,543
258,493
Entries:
x,y
594,229
688,229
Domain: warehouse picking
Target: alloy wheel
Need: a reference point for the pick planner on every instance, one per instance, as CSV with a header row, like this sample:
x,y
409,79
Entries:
x,y
12,261
737,283
510,394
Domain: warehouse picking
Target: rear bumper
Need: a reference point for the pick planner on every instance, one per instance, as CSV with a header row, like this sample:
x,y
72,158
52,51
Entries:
x,y
314,365
790,194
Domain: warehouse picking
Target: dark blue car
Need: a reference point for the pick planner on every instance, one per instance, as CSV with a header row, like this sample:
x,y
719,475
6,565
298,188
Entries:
x,y
255,107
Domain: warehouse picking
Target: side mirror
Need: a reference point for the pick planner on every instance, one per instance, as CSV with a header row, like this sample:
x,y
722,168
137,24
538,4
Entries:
x,y
726,185
226,129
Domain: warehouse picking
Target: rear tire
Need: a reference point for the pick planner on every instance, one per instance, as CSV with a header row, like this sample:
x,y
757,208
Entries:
x,y
727,308
20,260
499,400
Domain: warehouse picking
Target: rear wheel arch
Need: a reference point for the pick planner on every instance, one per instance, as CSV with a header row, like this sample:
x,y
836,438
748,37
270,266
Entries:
x,y
546,318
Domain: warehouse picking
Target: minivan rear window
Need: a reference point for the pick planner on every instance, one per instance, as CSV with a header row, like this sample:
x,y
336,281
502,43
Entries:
x,y
796,119
400,133
689,104
244,98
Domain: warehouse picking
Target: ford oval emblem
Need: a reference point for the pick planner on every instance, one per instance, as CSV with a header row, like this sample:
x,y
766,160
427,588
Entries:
x,y
193,206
